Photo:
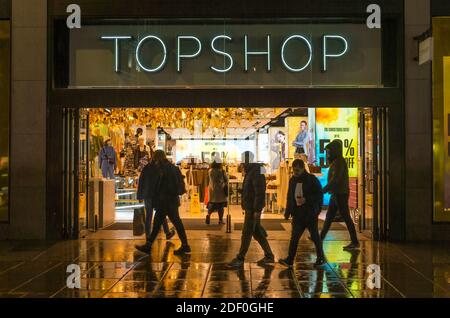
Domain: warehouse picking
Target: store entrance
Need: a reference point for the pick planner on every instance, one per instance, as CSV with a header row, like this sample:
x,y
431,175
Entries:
x,y
100,193
373,176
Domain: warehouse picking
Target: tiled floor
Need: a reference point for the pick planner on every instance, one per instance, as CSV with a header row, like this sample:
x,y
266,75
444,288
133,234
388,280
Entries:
x,y
111,268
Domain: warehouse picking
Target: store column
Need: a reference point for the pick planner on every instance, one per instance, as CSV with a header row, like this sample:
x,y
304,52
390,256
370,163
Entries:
x,y
418,199
28,120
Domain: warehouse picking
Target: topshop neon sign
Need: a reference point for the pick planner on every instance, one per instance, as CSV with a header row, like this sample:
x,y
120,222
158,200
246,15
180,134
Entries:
x,y
229,62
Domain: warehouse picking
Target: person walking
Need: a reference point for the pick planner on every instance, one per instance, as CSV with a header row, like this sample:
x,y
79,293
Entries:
x,y
304,203
146,192
169,187
218,191
253,202
338,187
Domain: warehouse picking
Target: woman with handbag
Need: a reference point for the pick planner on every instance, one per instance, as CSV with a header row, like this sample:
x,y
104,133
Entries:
x,y
218,191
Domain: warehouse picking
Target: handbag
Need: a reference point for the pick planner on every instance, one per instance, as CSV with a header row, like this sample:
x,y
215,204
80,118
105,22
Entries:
x,y
139,221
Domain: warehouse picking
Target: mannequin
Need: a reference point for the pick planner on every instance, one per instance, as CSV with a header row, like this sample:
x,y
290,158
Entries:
x,y
141,155
108,159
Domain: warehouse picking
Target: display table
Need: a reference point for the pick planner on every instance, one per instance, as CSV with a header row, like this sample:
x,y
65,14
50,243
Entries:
x,y
101,202
106,210
93,197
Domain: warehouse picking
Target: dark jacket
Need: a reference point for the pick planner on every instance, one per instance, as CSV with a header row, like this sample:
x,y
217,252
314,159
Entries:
x,y
168,187
338,173
147,182
254,188
312,192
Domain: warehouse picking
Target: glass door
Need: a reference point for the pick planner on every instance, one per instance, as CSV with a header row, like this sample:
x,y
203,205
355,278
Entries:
x,y
75,168
368,171
374,174
83,170
70,173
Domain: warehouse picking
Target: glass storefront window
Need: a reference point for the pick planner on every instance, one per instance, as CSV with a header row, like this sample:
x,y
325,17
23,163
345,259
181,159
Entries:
x,y
4,118
441,114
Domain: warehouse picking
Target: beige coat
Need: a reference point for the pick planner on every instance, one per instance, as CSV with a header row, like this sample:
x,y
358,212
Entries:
x,y
217,180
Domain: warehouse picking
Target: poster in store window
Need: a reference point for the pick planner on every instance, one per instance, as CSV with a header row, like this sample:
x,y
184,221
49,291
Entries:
x,y
278,147
298,136
342,124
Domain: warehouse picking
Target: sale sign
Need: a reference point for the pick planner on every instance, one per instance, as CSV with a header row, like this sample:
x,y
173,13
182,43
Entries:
x,y
341,124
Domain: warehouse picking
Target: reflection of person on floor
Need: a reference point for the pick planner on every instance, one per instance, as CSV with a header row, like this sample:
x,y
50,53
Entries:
x,y
338,186
146,192
218,198
304,203
264,284
253,202
108,162
166,200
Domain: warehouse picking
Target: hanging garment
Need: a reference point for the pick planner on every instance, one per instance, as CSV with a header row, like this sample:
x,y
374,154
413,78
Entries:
x,y
141,157
283,180
117,137
95,146
130,149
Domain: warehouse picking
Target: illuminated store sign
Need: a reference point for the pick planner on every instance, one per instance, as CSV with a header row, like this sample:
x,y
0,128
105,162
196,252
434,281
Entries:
x,y
213,54
197,47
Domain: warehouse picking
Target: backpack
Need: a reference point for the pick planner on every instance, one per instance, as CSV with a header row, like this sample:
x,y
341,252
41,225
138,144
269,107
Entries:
x,y
181,186
173,182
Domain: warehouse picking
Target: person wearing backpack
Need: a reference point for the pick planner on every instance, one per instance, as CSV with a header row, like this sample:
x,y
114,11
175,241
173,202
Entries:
x,y
145,193
170,186
304,203
218,191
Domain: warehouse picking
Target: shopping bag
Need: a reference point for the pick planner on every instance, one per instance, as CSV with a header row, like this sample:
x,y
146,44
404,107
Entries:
x,y
139,221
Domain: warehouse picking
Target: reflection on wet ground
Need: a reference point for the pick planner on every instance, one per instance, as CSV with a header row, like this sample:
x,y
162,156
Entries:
x,y
111,268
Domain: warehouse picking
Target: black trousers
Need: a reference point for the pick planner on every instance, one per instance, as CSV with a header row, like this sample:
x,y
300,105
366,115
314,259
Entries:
x,y
219,207
299,224
253,228
174,216
339,202
149,218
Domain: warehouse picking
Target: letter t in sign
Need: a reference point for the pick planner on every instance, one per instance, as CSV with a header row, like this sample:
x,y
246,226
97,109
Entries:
x,y
117,49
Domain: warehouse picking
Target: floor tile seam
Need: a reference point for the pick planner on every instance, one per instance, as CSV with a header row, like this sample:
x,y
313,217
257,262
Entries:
x,y
426,278
35,277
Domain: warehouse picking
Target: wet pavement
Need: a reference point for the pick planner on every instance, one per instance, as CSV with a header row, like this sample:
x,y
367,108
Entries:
x,y
111,268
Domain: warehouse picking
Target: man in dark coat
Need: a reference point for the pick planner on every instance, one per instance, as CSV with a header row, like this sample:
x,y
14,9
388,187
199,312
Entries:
x,y
304,209
338,187
166,200
146,192
253,202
